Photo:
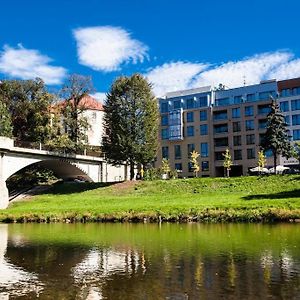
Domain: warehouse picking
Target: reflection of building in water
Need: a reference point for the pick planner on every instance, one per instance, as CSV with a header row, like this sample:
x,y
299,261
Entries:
x,y
13,280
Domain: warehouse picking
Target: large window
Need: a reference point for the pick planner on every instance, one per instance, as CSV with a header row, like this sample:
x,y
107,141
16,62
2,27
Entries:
x,y
177,104
237,99
203,115
264,109
287,120
190,116
220,115
296,120
164,107
219,156
249,125
178,167
262,123
237,140
220,128
165,152
250,97
237,154
177,151
203,129
190,131
236,112
164,134
203,101
164,120
190,149
267,95
221,142
249,111
250,139
236,126
190,103
222,101
204,149
295,104
296,134
284,106
251,153
205,166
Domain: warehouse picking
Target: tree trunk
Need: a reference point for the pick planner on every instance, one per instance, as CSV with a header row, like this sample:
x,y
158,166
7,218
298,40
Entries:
x,y
275,161
131,170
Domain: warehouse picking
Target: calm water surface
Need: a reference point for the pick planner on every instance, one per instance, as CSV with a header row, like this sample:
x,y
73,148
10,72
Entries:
x,y
149,261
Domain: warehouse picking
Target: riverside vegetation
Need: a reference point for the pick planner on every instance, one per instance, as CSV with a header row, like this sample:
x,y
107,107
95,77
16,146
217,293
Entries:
x,y
240,199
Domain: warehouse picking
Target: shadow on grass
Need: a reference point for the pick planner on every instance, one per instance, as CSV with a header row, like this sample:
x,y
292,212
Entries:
x,y
73,187
282,195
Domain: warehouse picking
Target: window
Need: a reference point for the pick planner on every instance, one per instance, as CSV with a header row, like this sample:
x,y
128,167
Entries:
x,y
220,115
285,93
203,101
262,137
237,154
178,166
237,99
249,124
205,166
164,134
295,104
250,97
251,153
236,112
249,111
190,131
204,149
236,126
267,95
203,115
284,106
296,91
287,120
222,101
237,140
177,104
296,134
220,128
221,142
203,129
164,120
264,109
190,167
262,123
296,120
190,103
177,151
190,148
219,156
250,139
164,107
165,152
190,116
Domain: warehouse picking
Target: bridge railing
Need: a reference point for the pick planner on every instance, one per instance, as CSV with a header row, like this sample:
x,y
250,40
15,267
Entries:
x,y
89,151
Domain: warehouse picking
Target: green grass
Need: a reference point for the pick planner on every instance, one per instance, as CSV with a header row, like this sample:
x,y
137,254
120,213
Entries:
x,y
242,199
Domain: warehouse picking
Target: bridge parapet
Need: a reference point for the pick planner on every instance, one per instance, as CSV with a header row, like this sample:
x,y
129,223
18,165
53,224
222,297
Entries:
x,y
6,143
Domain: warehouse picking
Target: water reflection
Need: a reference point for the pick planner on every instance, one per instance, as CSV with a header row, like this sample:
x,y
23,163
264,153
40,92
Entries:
x,y
14,280
113,261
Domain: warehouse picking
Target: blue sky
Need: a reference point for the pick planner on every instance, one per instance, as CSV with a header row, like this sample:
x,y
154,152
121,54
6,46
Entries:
x,y
175,44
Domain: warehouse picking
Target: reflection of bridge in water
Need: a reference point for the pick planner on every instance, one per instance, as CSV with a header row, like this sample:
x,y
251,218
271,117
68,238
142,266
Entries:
x,y
65,166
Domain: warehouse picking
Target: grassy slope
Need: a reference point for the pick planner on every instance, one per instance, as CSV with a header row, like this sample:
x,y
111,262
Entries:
x,y
203,199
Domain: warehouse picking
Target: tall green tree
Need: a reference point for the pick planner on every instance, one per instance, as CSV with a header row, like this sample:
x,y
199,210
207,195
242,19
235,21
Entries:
x,y
28,102
5,121
276,138
131,122
75,123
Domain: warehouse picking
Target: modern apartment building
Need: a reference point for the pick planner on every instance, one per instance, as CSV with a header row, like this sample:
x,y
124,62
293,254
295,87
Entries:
x,y
210,120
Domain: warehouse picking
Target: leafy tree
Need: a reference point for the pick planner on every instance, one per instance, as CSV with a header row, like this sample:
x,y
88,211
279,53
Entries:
x,y
261,160
130,122
276,137
28,102
76,125
165,166
5,121
194,162
227,162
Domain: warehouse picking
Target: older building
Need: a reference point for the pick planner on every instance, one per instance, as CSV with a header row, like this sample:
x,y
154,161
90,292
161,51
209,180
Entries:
x,y
210,120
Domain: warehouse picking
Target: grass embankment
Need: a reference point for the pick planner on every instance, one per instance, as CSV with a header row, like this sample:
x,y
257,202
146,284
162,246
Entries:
x,y
243,199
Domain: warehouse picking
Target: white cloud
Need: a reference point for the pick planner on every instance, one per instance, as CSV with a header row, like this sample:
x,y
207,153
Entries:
x,y
180,75
99,96
25,63
106,48
174,76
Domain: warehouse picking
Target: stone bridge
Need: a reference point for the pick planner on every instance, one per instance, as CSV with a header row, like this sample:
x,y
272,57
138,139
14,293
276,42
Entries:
x,y
64,166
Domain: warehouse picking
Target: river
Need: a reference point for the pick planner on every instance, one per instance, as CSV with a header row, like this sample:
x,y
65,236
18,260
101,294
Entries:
x,y
149,261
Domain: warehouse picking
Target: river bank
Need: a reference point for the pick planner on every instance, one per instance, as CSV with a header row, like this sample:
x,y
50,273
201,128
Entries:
x,y
241,199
